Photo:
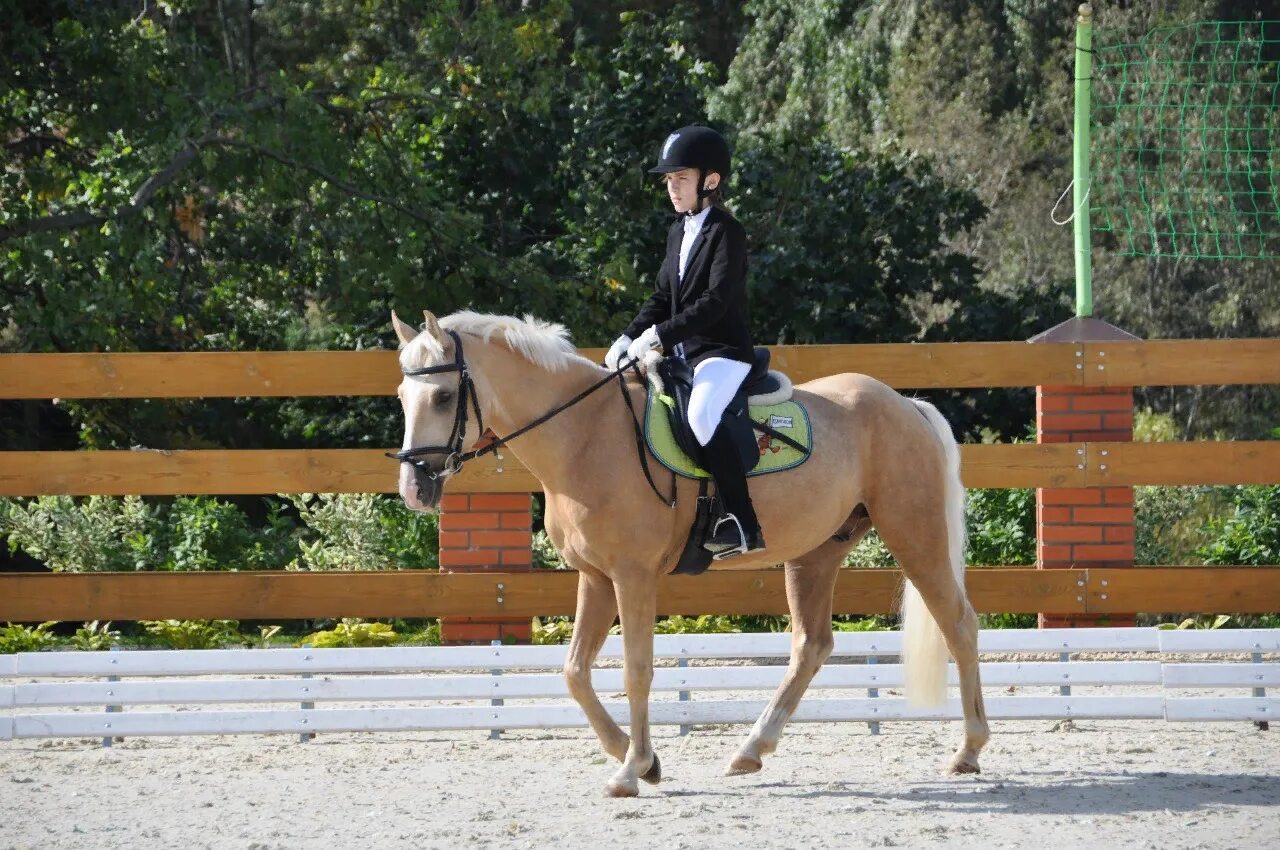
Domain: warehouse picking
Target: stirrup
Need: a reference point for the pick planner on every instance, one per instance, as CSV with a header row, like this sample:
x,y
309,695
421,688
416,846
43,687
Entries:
x,y
721,551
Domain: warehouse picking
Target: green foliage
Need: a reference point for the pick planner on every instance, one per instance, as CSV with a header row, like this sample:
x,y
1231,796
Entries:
x,y
97,534
1249,532
552,630
705,624
1170,523
95,636
352,632
1006,621
1001,527
109,534
194,634
863,624
20,638
545,556
870,552
1201,621
364,532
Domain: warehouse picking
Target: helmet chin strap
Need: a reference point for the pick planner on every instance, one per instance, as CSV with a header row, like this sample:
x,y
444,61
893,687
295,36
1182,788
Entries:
x,y
703,194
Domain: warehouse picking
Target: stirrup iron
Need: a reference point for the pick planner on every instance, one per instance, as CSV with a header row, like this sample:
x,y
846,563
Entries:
x,y
734,549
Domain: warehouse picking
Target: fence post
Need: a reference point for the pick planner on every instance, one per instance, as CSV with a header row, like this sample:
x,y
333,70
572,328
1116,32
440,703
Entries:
x,y
1084,526
303,737
112,709
683,695
486,532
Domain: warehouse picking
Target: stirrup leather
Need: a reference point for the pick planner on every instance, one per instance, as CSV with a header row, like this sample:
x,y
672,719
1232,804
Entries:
x,y
734,548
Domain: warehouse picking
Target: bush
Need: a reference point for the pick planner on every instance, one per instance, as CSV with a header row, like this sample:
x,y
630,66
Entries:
x,y
20,638
357,531
194,634
94,637
97,534
1249,532
1001,527
352,632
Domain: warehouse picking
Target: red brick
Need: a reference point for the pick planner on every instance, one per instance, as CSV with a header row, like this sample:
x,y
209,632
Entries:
x,y
1052,403
454,540
1054,515
455,501
1068,421
464,521
502,539
467,557
1104,515
1118,421
1103,403
1106,552
517,557
1070,496
1071,534
522,519
520,631
500,502
1053,437
1117,495
470,632
1053,554
1118,533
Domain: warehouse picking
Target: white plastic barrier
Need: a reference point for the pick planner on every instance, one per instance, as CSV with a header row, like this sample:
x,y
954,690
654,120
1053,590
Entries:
x,y
427,674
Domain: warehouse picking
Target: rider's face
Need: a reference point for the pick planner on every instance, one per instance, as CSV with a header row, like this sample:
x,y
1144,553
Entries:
x,y
682,188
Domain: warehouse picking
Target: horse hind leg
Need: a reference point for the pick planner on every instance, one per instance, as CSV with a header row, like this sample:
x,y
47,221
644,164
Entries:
x,y
810,582
922,524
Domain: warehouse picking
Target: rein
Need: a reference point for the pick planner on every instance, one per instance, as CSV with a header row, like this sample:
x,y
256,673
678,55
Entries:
x,y
455,457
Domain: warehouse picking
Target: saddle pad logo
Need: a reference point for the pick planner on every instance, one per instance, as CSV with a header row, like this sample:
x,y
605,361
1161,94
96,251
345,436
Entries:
x,y
776,421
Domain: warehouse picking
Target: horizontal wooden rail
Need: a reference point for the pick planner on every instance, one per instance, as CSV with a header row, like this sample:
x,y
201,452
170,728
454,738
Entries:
x,y
27,597
911,365
265,471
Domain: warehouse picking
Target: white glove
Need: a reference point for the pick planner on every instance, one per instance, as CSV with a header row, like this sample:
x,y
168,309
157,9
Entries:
x,y
616,351
646,342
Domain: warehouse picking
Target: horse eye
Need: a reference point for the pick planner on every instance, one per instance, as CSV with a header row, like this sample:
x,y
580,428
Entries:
x,y
444,397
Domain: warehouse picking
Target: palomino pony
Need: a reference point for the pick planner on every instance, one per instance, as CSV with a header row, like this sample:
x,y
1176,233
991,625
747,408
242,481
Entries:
x,y
877,456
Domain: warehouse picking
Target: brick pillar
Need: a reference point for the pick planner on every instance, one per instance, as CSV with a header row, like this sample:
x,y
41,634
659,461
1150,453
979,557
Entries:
x,y
486,532
1084,526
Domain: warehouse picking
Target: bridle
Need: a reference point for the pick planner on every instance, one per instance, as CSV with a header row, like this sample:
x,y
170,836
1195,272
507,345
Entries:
x,y
455,457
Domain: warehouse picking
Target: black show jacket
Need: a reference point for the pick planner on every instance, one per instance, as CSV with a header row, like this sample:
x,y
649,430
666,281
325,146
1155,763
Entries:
x,y
707,311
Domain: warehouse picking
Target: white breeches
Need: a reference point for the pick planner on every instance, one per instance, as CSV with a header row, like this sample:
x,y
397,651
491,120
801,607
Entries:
x,y
715,382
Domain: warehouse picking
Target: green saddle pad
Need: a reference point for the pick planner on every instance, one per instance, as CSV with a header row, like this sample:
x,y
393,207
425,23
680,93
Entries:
x,y
788,418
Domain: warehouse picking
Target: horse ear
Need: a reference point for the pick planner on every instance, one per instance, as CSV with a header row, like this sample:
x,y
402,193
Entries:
x,y
431,326
404,331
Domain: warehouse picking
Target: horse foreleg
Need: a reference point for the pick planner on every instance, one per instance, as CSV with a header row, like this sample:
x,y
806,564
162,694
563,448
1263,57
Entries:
x,y
597,609
810,586
637,603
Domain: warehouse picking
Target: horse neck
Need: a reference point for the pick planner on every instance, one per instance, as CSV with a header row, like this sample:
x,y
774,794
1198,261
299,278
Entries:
x,y
514,392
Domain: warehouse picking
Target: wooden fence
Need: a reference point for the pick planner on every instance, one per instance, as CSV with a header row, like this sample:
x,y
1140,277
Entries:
x,y
918,366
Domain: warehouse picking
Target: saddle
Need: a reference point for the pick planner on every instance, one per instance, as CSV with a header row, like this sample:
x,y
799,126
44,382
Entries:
x,y
770,432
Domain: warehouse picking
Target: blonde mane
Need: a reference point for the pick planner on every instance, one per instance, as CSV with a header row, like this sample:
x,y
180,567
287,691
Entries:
x,y
545,344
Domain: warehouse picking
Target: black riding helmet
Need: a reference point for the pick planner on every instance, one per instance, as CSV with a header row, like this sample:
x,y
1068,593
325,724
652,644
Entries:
x,y
695,147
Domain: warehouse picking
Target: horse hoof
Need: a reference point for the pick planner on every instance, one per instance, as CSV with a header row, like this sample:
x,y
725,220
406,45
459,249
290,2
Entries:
x,y
960,766
742,765
617,789
654,774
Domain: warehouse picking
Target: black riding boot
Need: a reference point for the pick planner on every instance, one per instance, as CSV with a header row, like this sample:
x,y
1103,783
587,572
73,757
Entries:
x,y
738,531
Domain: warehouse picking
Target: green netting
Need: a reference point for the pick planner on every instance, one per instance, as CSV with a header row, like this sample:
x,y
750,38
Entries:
x,y
1185,129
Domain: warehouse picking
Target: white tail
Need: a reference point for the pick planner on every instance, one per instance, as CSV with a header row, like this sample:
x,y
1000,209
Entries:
x,y
924,651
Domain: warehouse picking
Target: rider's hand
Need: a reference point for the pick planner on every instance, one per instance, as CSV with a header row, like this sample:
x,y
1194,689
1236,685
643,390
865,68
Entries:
x,y
616,351
646,342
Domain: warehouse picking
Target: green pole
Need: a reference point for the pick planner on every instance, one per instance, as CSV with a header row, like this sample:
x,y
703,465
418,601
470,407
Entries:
x,y
1080,195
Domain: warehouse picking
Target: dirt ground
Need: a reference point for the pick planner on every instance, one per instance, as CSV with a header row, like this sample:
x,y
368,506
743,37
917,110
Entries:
x,y
1135,784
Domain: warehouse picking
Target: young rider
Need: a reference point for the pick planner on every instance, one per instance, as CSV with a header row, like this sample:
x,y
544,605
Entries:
x,y
698,311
